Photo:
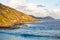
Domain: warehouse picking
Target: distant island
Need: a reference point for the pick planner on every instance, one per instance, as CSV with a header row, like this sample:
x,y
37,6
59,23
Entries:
x,y
10,17
43,18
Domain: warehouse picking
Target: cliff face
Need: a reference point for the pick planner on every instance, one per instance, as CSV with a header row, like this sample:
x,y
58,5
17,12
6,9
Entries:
x,y
10,16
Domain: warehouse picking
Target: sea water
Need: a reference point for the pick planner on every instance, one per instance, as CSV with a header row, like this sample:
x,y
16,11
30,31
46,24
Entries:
x,y
46,30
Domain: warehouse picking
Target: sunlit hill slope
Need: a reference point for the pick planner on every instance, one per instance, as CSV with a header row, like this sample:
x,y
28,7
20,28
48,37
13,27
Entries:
x,y
10,16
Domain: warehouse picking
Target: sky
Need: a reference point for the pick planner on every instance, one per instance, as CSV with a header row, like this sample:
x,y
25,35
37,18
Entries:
x,y
38,8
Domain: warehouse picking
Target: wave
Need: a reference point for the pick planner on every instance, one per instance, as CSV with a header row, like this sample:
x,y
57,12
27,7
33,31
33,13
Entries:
x,y
29,35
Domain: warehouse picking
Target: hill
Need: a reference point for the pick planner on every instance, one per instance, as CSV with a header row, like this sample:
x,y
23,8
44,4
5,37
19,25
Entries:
x,y
43,18
10,16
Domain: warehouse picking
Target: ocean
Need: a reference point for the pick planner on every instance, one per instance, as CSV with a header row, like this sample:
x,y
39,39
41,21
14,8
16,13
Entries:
x,y
46,30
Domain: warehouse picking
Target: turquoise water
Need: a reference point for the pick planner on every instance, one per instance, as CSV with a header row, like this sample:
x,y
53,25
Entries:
x,y
47,30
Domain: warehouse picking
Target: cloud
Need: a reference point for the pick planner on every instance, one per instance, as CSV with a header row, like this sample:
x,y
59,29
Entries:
x,y
55,13
28,8
41,6
33,9
31,6
41,12
14,3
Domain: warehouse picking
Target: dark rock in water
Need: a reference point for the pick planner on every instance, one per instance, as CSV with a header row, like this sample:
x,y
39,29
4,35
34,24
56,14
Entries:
x,y
16,26
10,27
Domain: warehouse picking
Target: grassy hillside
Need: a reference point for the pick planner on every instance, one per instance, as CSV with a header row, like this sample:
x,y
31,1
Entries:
x,y
10,16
